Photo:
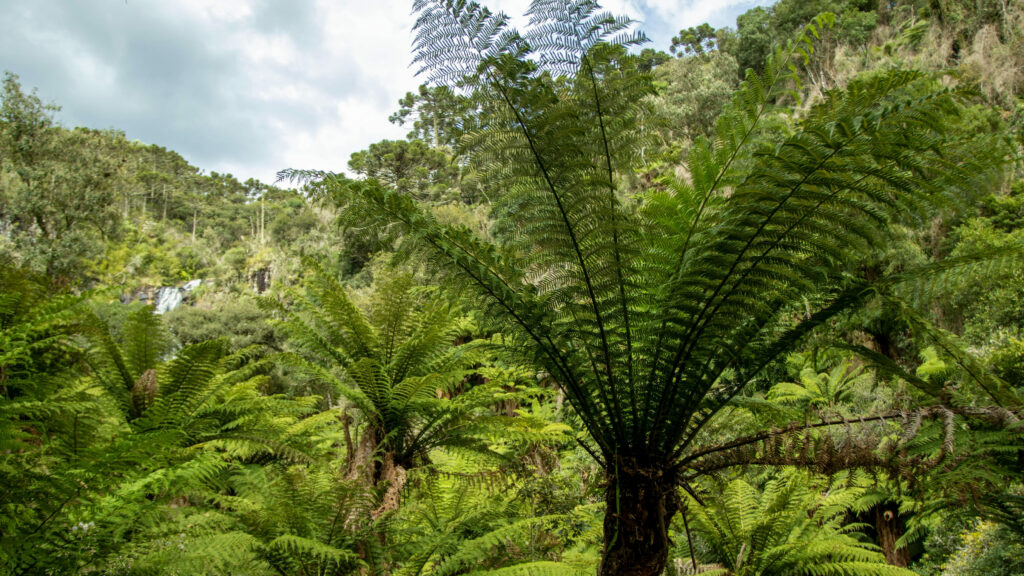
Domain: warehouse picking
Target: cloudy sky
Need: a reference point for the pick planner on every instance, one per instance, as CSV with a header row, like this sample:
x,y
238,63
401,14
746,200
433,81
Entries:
x,y
250,86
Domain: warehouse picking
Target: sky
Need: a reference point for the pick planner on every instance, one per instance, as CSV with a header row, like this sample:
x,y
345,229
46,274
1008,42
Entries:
x,y
250,87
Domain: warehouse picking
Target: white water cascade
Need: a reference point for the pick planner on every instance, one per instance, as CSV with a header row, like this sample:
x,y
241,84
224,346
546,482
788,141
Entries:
x,y
168,298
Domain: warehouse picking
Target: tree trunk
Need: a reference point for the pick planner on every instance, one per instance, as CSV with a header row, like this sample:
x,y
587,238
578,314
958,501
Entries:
x,y
392,477
262,219
640,502
890,527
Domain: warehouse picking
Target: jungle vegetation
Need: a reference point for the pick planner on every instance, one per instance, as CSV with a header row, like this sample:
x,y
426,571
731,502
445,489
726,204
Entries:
x,y
748,305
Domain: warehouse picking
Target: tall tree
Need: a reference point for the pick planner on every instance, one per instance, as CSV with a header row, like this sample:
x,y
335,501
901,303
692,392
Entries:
x,y
57,187
438,115
408,165
654,311
696,89
694,41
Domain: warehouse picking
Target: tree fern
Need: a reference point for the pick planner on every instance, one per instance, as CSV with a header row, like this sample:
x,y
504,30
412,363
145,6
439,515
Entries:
x,y
307,517
397,367
822,392
259,519
49,423
640,306
121,367
118,454
784,528
454,527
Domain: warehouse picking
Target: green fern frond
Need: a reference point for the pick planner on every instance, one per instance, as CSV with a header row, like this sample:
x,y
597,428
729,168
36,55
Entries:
x,y
306,548
784,528
535,569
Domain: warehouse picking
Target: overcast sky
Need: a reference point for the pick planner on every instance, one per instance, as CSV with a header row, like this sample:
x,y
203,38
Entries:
x,y
250,86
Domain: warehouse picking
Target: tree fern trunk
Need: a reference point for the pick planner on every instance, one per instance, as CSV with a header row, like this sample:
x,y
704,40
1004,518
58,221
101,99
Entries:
x,y
890,527
640,502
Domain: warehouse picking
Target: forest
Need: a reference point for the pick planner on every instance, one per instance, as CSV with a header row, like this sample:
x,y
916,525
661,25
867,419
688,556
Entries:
x,y
749,304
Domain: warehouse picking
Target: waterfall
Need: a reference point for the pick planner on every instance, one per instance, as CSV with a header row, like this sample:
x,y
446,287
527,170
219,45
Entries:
x,y
169,297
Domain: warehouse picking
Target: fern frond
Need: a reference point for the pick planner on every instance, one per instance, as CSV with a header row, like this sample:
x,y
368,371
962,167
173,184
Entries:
x,y
306,548
543,568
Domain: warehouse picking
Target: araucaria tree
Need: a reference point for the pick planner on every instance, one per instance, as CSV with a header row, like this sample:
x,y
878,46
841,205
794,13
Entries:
x,y
653,309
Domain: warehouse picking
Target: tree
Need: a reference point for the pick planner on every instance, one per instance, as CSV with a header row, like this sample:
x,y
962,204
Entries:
x,y
754,42
653,311
694,41
439,116
696,90
57,187
408,165
760,27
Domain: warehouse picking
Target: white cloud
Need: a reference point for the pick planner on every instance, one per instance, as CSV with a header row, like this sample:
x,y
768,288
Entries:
x,y
351,126
211,12
372,40
270,49
250,86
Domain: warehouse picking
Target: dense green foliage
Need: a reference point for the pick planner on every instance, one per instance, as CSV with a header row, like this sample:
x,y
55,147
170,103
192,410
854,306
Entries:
x,y
749,306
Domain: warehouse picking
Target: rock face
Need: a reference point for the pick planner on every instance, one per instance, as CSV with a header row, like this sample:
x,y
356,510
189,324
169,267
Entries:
x,y
261,280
